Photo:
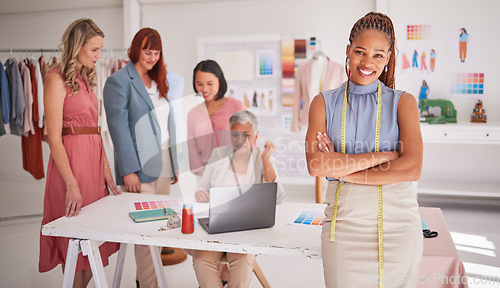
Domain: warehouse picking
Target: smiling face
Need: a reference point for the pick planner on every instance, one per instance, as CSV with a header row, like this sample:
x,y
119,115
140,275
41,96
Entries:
x,y
90,52
368,54
243,137
148,59
207,84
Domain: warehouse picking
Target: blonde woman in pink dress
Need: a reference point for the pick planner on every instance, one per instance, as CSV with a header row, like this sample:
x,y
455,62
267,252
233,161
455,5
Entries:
x,y
78,172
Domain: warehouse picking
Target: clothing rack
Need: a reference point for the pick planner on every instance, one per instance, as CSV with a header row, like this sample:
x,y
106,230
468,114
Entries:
x,y
12,50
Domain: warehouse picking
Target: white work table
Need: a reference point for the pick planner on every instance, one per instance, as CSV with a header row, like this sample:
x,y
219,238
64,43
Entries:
x,y
108,220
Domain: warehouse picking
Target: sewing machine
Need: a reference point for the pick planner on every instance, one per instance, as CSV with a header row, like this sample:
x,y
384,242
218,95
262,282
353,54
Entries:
x,y
448,112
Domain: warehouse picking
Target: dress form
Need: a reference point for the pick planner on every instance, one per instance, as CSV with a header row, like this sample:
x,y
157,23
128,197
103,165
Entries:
x,y
317,77
318,72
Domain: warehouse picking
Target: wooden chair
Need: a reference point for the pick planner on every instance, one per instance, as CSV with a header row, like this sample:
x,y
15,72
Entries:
x,y
256,270
260,275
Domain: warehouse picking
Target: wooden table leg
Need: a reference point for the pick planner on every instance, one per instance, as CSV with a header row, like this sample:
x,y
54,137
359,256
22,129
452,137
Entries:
x,y
160,275
70,265
319,189
91,250
119,265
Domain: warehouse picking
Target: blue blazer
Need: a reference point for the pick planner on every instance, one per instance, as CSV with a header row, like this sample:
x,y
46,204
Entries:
x,y
134,127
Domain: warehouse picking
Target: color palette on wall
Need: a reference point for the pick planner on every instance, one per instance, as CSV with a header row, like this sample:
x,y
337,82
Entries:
x,y
307,217
417,32
313,44
287,123
288,58
300,48
265,63
156,204
467,83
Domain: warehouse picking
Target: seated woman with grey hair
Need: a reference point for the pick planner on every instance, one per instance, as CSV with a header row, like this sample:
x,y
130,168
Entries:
x,y
237,164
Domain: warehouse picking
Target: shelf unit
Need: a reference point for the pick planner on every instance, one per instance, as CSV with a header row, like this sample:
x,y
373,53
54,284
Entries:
x,y
461,133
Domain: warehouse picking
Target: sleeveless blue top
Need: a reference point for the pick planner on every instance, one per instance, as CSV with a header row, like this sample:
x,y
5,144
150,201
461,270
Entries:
x,y
361,119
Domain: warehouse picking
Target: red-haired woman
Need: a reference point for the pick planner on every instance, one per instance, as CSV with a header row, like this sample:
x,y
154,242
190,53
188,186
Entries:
x,y
141,124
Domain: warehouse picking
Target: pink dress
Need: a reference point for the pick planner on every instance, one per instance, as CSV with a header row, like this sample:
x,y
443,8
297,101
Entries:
x,y
208,132
406,62
85,158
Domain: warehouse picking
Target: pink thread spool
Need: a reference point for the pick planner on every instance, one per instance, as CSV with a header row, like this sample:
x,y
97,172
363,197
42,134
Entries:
x,y
187,220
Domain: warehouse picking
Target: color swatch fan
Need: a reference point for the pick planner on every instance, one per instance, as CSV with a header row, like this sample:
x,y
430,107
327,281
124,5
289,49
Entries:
x,y
307,218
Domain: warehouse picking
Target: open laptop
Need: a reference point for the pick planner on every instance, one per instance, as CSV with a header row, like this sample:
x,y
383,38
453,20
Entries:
x,y
243,207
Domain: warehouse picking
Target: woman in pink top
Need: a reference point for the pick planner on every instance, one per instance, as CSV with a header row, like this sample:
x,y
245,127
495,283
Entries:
x,y
208,123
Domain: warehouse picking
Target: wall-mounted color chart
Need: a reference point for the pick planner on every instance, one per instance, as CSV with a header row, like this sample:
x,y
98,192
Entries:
x,y
307,217
287,123
467,83
288,58
265,64
313,47
418,32
156,204
300,48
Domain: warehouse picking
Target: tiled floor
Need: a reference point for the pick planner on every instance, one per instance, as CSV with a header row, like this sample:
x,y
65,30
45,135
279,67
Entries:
x,y
475,230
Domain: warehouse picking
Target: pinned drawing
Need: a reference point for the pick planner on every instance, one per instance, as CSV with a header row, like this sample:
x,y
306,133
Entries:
x,y
433,60
462,45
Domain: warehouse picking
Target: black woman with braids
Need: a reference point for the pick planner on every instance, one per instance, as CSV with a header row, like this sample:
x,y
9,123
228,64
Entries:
x,y
364,137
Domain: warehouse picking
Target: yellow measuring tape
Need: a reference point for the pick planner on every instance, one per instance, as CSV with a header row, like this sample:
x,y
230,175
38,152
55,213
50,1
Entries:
x,y
379,187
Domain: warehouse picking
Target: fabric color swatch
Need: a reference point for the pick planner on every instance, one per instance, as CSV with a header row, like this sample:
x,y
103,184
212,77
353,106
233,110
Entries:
x,y
417,32
467,83
158,204
307,217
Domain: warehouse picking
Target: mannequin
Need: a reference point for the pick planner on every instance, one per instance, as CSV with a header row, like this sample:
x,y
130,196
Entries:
x,y
316,75
317,78
318,72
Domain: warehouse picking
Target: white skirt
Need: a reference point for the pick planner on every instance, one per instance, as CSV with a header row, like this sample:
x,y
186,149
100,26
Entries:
x,y
352,259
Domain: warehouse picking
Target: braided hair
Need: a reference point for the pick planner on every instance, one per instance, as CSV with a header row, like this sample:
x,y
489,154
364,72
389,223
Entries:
x,y
382,23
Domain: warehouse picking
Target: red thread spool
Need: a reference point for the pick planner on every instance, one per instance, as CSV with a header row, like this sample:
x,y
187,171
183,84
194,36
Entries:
x,y
187,220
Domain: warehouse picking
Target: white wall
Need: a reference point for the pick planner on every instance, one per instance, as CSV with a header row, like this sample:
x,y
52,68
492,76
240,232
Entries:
x,y
443,15
181,24
455,163
44,29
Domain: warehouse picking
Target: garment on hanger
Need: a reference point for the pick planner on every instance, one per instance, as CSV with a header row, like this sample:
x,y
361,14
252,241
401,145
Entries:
x,y
4,95
2,128
105,68
332,76
28,99
39,88
17,101
31,144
